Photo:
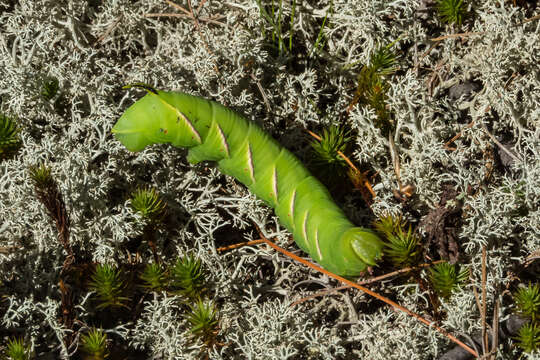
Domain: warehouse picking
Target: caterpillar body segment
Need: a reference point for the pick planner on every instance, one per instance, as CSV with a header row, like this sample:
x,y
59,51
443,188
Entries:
x,y
243,150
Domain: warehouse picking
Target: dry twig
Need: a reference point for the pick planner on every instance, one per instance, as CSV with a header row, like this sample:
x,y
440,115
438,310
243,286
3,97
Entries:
x,y
495,328
365,282
457,136
460,35
393,304
239,245
261,90
109,30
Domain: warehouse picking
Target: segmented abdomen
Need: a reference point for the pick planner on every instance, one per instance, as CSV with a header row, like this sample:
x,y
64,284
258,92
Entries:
x,y
275,175
242,149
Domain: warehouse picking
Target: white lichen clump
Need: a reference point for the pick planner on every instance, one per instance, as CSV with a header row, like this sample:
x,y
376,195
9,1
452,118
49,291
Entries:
x,y
94,48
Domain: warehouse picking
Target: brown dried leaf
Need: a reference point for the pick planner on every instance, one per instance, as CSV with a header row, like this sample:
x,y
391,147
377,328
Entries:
x,y
441,226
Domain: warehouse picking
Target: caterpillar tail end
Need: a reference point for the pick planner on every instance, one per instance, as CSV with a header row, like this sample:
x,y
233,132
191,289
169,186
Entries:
x,y
366,245
356,250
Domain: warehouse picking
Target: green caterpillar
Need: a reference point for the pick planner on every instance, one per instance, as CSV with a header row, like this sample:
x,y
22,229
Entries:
x,y
243,150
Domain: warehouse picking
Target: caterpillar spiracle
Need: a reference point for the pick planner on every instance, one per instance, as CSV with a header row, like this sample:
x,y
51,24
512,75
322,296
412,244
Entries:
x,y
243,150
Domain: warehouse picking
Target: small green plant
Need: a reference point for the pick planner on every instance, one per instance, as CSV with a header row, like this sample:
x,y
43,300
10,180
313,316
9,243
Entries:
x,y
148,203
49,88
41,176
372,85
16,350
326,152
9,137
527,300
281,35
401,247
204,321
528,338
319,43
94,345
107,283
445,278
275,19
452,11
187,276
47,191
383,61
153,277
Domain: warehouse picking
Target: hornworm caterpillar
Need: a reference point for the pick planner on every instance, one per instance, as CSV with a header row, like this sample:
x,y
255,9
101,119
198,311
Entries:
x,y
243,150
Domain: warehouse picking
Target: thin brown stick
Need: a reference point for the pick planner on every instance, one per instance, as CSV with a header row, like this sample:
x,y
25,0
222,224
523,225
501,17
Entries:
x,y
460,35
495,327
417,65
536,17
167,15
458,135
366,282
239,245
261,90
9,249
535,255
477,299
108,31
212,19
320,293
178,7
509,81
393,304
190,14
400,271
395,160
200,6
437,40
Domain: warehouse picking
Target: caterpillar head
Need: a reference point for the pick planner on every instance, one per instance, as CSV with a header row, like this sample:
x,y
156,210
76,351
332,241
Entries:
x,y
135,128
157,118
